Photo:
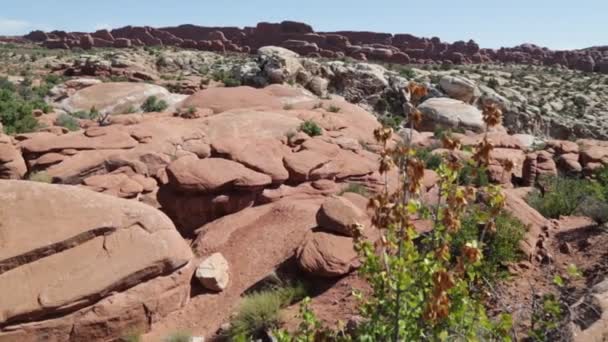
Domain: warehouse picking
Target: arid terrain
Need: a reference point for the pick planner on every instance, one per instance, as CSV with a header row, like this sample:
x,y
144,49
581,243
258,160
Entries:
x,y
147,191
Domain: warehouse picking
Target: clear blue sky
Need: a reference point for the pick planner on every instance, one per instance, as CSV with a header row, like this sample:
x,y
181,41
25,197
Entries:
x,y
558,24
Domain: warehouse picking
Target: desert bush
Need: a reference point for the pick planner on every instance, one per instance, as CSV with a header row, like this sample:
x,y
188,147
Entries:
x,y
472,174
432,161
562,196
226,78
131,337
408,73
594,208
259,312
15,112
391,121
153,104
311,128
67,121
40,176
502,244
179,336
493,83
334,109
91,114
355,188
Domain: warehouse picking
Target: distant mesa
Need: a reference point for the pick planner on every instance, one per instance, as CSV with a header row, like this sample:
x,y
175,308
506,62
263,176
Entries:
x,y
301,38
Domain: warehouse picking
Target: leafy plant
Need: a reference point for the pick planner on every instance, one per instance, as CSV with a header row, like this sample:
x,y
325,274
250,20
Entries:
x,y
153,104
546,319
311,128
424,287
502,243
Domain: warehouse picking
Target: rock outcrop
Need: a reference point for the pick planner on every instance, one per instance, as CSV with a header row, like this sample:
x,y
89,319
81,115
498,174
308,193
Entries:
x,y
76,265
302,39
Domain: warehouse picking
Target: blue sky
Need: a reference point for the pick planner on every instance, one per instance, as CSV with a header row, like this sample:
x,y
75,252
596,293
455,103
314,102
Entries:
x,y
558,24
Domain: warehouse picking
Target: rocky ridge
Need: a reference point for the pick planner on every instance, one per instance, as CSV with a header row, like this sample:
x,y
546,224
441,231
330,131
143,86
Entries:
x,y
301,38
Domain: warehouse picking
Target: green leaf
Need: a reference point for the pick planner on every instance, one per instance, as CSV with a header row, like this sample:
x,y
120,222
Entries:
x,y
557,280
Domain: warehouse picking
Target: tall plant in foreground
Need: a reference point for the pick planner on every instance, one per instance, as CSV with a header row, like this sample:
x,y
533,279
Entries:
x,y
421,287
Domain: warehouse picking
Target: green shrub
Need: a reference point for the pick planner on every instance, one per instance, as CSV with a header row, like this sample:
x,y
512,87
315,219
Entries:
x,y
226,78
311,128
132,337
594,208
493,83
152,104
180,336
40,176
92,114
408,73
288,106
501,247
334,109
431,160
563,196
391,121
259,312
15,113
472,175
67,121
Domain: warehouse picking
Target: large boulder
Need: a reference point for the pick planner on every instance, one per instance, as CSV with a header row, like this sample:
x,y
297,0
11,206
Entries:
x,y
450,113
54,267
339,215
327,255
279,64
459,88
116,97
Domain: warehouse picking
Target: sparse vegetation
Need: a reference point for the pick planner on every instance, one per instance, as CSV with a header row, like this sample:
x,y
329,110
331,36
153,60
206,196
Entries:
x,y
431,160
153,104
179,336
334,109
563,196
67,121
226,78
311,128
355,188
132,337
40,176
259,312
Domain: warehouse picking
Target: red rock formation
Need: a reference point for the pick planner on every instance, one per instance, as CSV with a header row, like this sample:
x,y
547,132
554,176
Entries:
x,y
301,38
